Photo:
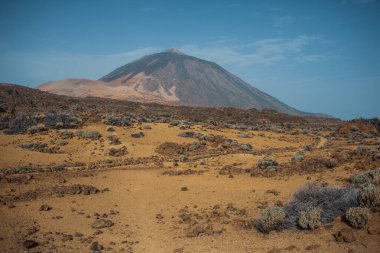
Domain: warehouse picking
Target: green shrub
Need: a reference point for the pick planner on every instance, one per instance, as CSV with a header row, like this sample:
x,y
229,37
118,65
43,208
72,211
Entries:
x,y
310,219
297,157
357,217
62,142
271,218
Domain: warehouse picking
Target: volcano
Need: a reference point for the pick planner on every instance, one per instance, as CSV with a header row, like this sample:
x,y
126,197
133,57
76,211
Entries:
x,y
172,77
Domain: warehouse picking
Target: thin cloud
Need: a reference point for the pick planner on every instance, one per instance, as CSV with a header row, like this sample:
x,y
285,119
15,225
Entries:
x,y
147,9
265,51
282,21
313,58
359,2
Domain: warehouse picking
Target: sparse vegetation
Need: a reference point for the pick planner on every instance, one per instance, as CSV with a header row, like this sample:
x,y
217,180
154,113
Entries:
x,y
329,201
216,171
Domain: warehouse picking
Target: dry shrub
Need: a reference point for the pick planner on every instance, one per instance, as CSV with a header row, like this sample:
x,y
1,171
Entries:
x,y
370,196
272,218
357,217
331,202
365,178
310,219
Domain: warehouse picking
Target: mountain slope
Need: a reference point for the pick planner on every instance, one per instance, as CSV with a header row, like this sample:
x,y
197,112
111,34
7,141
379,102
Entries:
x,y
172,77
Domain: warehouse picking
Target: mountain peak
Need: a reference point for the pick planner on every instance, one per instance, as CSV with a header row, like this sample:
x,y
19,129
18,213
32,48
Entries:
x,y
174,50
169,77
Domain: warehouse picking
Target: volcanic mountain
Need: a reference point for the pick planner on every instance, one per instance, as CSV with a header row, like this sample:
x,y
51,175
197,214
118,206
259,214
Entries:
x,y
175,78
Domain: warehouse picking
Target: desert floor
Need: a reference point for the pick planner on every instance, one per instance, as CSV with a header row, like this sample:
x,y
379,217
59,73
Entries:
x,y
152,203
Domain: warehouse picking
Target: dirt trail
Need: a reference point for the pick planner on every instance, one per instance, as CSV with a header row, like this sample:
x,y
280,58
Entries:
x,y
322,142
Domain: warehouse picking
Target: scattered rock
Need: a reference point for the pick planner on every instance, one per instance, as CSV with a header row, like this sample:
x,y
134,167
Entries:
x,y
137,135
110,129
96,247
312,247
29,244
45,208
170,149
275,250
290,248
32,230
102,223
118,151
114,139
345,235
199,229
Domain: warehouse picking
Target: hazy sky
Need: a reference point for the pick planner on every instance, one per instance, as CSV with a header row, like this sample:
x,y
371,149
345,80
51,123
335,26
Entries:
x,y
317,56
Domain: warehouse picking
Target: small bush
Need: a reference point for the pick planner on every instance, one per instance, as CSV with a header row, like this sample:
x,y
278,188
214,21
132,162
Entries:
x,y
62,142
244,135
118,121
189,134
267,163
272,218
297,157
370,196
37,129
245,147
357,217
310,219
66,133
332,202
365,178
93,135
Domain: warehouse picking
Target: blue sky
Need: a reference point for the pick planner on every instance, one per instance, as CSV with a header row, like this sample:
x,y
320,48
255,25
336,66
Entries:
x,y
317,56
